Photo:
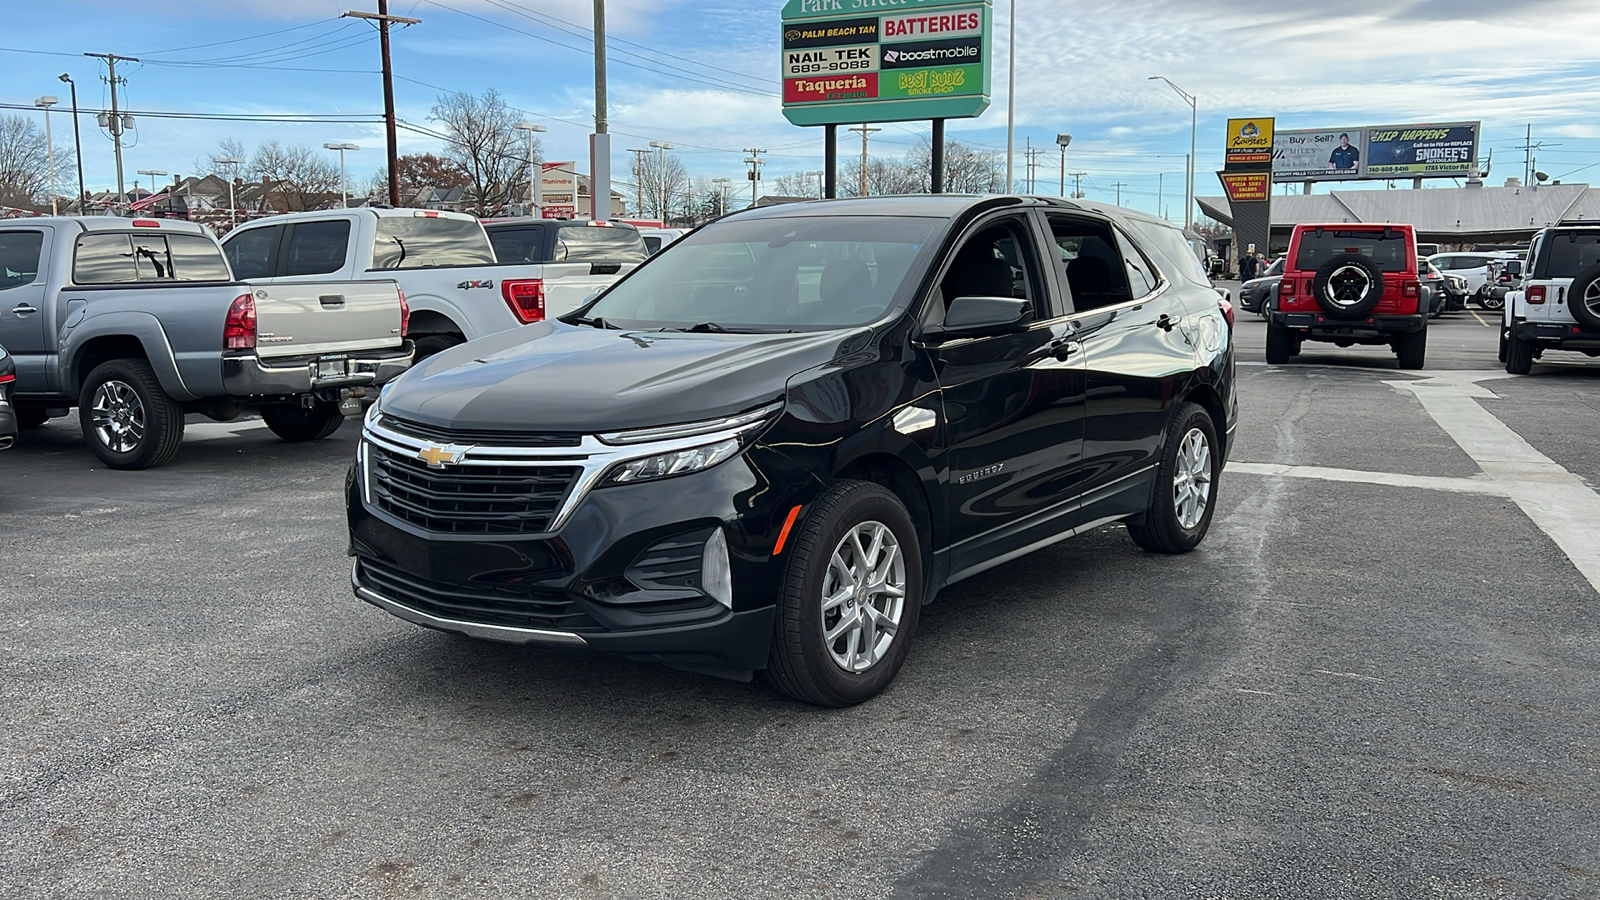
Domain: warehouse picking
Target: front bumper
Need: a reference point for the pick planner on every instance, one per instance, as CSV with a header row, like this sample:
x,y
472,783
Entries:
x,y
1318,326
8,421
247,375
620,575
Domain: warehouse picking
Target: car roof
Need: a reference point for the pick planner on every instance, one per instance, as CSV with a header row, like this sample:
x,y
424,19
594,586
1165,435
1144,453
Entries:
x,y
1354,226
492,224
382,212
945,206
109,223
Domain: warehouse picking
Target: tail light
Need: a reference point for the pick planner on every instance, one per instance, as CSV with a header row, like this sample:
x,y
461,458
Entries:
x,y
239,332
1536,294
405,315
1286,287
1410,289
525,297
1227,310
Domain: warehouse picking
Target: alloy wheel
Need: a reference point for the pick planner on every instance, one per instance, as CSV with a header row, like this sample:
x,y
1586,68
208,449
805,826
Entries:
x,y
118,416
1191,482
1591,297
863,596
1348,286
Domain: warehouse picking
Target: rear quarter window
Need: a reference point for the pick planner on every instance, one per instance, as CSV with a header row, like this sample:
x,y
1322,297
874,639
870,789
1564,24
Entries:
x,y
420,242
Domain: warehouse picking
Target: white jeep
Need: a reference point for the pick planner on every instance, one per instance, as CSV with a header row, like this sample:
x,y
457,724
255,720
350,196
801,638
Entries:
x,y
1557,306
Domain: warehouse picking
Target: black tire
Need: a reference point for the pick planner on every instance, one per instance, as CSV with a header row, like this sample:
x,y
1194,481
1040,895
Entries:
x,y
1503,333
1160,529
435,343
1519,354
1412,349
1280,345
1347,286
297,424
1583,298
801,663
127,419
31,416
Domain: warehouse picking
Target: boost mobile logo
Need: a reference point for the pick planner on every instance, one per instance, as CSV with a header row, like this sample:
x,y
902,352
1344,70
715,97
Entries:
x,y
891,55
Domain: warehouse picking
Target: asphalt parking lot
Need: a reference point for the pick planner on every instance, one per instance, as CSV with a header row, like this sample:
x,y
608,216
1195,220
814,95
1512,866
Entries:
x,y
1379,677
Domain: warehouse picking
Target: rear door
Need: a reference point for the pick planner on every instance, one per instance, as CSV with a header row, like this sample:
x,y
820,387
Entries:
x,y
23,311
1013,403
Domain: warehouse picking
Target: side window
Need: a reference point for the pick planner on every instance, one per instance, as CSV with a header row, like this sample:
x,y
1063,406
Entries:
x,y
253,253
20,252
1094,269
1142,276
998,261
195,258
151,257
317,248
517,244
104,259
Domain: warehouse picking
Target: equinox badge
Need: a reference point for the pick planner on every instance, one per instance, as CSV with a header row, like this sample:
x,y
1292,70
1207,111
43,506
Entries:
x,y
438,457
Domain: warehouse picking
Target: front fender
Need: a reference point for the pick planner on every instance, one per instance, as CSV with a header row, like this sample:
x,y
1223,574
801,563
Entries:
x,y
143,327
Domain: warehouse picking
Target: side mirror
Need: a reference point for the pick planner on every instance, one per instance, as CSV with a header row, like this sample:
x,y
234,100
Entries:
x,y
969,317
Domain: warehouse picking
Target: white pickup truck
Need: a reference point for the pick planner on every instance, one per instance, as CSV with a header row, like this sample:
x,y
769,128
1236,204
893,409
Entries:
x,y
138,322
457,288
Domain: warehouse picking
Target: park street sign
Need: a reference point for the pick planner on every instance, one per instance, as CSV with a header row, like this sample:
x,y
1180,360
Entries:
x,y
884,60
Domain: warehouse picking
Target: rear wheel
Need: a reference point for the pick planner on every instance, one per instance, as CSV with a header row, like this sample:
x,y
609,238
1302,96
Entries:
x,y
129,422
298,424
1412,349
1185,490
1280,345
436,343
1519,353
851,598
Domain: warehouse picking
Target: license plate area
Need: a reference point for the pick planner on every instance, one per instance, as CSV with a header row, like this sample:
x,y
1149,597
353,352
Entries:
x,y
333,368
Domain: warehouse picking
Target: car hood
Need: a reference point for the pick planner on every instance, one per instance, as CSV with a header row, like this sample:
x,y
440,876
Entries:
x,y
1265,279
552,376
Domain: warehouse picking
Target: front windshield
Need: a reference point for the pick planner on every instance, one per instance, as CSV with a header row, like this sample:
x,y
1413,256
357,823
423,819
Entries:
x,y
789,274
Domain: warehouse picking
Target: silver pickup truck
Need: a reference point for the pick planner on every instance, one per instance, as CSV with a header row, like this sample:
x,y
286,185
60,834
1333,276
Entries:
x,y
138,322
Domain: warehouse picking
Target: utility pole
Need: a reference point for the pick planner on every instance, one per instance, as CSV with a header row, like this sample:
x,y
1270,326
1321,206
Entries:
x,y
1119,186
1033,166
1077,184
755,162
50,147
865,131
535,170
638,177
116,123
384,20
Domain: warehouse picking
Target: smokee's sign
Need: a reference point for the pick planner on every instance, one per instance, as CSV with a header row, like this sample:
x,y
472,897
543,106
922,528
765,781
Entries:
x,y
884,60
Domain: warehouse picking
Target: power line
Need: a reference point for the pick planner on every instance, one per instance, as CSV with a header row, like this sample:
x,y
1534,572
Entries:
x,y
241,39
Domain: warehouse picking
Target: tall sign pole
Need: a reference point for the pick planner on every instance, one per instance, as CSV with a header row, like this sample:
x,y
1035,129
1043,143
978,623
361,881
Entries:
x,y
391,153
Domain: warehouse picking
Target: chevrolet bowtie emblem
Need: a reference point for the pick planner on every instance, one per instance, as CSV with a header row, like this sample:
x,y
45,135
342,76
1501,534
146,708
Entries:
x,y
439,457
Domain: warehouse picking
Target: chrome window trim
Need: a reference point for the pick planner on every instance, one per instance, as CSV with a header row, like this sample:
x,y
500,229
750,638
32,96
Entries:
x,y
593,457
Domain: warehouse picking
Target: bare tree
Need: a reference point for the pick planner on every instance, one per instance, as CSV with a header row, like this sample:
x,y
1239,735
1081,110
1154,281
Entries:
x,y
967,170
664,186
25,162
227,148
800,184
301,177
483,141
884,176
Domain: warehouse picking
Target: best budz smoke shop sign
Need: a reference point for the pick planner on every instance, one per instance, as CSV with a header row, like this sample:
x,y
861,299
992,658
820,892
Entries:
x,y
884,60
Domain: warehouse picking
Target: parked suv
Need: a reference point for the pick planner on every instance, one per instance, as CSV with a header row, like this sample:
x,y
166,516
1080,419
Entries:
x,y
1558,307
769,447
1255,293
1350,284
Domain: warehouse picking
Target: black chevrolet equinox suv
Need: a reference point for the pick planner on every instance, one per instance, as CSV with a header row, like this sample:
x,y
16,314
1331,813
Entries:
x,y
770,445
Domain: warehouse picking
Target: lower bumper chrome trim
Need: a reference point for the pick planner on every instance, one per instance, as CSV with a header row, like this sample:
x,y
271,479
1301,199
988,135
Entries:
x,y
503,633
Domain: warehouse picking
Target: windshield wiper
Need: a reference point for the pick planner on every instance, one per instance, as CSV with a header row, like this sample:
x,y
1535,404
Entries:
x,y
705,328
595,322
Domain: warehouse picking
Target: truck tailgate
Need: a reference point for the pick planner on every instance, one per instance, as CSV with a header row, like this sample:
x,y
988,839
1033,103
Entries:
x,y
567,284
313,318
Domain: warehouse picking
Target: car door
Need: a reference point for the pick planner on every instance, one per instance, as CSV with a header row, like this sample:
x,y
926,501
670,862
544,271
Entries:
x,y
1138,355
23,312
1013,403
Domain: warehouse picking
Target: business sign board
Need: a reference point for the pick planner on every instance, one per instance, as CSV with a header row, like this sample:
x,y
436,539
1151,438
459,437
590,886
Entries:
x,y
1428,151
1331,154
1249,143
885,60
1245,187
1383,151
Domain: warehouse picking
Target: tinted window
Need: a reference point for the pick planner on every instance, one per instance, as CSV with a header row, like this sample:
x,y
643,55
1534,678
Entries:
x,y
317,248
253,253
151,257
516,243
1095,272
1179,251
1564,255
104,259
1142,278
593,243
1386,249
19,257
196,258
418,242
997,261
798,273
653,244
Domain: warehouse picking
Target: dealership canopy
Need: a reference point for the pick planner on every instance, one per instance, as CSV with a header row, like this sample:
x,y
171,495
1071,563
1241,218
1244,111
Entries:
x,y
885,60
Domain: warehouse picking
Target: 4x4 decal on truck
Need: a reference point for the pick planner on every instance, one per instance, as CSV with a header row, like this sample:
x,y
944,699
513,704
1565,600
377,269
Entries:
x,y
469,285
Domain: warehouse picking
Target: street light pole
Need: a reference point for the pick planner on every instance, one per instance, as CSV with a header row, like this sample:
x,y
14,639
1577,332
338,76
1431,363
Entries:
x,y
153,173
1063,140
233,176
1194,122
344,189
1011,104
661,177
50,146
536,171
77,145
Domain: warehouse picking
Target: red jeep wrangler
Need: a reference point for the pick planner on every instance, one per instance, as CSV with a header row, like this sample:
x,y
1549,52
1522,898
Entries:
x,y
1350,284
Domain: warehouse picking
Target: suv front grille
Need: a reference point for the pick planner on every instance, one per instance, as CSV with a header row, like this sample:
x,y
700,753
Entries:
x,y
475,499
478,602
477,436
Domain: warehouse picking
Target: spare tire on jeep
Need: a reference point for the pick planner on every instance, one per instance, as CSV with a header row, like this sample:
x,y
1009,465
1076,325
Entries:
x,y
1583,298
1348,286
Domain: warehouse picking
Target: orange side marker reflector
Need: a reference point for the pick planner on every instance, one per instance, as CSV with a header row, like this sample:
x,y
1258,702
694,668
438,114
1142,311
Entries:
x,y
783,536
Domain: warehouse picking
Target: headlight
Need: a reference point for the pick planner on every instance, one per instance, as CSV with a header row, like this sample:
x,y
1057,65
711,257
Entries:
x,y
676,462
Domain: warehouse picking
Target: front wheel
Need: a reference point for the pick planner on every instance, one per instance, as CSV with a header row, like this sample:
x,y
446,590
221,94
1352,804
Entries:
x,y
297,424
128,420
1185,492
850,600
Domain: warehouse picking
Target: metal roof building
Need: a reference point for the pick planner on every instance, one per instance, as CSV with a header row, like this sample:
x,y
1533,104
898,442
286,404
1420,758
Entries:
x,y
1467,215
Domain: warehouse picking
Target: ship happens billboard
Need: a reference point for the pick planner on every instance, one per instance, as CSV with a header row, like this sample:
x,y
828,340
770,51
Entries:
x,y
1374,152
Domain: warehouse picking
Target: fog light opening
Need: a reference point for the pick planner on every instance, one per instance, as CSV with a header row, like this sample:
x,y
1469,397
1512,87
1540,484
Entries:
x,y
716,579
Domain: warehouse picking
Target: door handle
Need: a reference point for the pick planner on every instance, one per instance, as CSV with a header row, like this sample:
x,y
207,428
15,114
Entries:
x,y
23,309
1166,322
1061,348
332,299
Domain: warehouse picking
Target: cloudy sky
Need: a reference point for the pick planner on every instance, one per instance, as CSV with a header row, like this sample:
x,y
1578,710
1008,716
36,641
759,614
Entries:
x,y
704,76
